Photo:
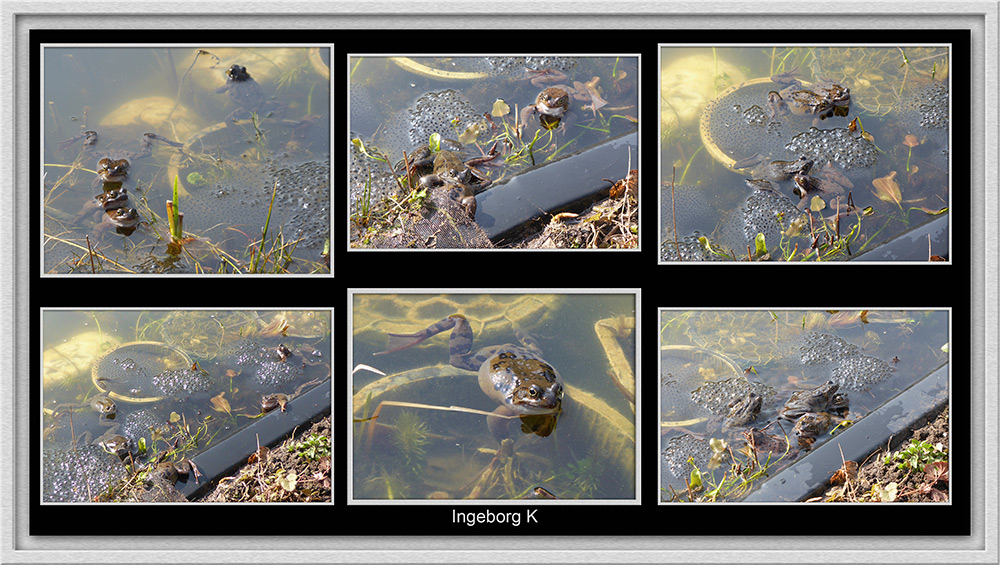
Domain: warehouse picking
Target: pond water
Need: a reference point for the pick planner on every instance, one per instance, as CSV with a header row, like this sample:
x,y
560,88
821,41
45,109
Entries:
x,y
413,452
246,151
179,383
397,103
884,148
709,359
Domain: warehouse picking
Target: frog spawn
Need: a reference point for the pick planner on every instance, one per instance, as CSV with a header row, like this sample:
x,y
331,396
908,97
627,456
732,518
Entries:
x,y
263,364
242,199
848,367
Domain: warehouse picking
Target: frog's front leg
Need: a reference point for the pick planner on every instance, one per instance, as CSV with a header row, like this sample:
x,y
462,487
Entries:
x,y
503,426
89,141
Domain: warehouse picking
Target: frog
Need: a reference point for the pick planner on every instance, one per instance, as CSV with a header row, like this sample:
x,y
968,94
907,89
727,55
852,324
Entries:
x,y
811,425
269,402
805,185
551,105
743,410
822,100
123,220
113,165
820,399
446,168
514,376
245,93
116,444
104,406
764,444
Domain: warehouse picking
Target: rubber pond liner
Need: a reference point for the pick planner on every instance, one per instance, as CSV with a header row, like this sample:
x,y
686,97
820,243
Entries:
x,y
913,245
887,425
232,452
506,210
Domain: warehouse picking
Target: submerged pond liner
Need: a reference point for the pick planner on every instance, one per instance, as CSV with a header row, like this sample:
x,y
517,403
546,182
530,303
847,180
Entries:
x,y
885,426
912,245
569,182
232,452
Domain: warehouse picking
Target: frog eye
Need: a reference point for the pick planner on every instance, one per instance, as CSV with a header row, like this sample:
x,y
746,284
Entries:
x,y
534,391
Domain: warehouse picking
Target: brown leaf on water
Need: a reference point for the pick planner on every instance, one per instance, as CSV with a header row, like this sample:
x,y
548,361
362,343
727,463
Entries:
x,y
220,404
888,189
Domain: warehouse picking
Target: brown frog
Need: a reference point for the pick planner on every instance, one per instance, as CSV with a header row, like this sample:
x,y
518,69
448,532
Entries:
x,y
823,398
271,401
446,168
113,165
811,425
551,105
104,406
822,100
743,410
122,220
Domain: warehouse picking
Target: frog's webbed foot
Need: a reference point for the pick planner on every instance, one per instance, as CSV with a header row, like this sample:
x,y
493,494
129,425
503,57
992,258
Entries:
x,y
747,162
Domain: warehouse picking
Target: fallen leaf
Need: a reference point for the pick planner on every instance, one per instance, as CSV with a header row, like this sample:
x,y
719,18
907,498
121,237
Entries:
x,y
288,481
848,472
817,204
500,108
934,212
888,189
887,494
220,404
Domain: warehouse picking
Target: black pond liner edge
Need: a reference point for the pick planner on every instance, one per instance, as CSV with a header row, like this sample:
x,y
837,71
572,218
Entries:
x,y
509,209
232,452
911,245
886,426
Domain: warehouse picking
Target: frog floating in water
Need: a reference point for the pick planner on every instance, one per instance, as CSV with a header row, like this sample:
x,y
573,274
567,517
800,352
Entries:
x,y
822,100
446,169
765,174
514,376
743,410
551,105
113,164
814,411
246,94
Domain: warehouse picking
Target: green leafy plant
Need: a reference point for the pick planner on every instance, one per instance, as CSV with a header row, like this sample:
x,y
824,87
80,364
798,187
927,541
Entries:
x,y
918,455
313,448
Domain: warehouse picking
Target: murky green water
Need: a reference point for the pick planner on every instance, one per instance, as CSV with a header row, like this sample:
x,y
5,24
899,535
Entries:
x,y
898,178
419,453
235,150
159,397
872,356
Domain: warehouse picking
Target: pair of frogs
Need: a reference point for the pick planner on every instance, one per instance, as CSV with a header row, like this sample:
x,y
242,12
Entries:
x,y
814,411
514,376
800,171
821,100
446,169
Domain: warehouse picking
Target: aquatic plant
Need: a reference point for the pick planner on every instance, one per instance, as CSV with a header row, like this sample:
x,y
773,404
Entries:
x,y
410,437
